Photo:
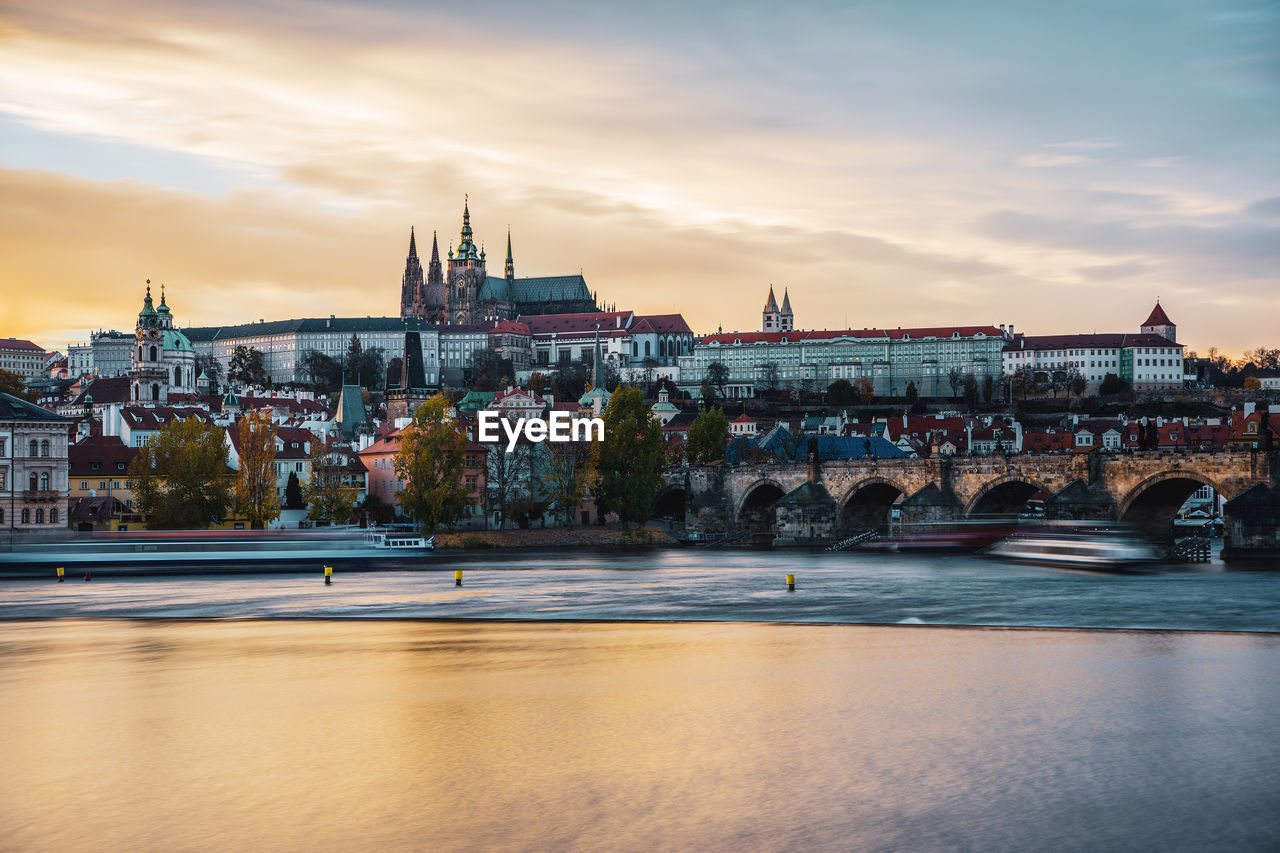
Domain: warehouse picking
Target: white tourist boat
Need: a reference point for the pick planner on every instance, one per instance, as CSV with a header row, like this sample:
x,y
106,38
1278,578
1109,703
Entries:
x,y
1094,548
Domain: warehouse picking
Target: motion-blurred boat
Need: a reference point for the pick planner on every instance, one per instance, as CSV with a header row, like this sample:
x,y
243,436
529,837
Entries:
x,y
1095,548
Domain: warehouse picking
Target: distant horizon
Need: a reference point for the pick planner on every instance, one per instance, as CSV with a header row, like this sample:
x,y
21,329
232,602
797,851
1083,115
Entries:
x,y
926,165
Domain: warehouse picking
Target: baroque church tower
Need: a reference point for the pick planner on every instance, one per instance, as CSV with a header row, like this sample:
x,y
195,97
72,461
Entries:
x,y
163,360
466,275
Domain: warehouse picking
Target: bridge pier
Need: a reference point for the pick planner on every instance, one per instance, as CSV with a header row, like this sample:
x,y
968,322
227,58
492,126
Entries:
x,y
1251,525
1081,502
806,516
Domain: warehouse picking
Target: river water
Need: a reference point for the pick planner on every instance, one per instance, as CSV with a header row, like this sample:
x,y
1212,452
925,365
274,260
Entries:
x,y
190,714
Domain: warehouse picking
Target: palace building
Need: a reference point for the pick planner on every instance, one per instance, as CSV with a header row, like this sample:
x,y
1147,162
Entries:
x,y
465,293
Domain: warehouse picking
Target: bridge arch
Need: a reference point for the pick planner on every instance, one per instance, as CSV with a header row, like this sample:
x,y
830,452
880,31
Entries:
x,y
867,505
1153,503
757,509
1004,495
672,502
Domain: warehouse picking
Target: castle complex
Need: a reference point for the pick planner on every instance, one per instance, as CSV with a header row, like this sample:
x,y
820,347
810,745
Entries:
x,y
466,293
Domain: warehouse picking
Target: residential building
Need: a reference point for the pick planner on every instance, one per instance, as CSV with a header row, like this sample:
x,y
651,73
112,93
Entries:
x,y
23,357
101,492
1148,360
106,354
33,466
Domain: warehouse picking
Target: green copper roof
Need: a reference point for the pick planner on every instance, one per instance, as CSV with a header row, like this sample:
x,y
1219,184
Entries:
x,y
474,401
587,398
664,406
175,340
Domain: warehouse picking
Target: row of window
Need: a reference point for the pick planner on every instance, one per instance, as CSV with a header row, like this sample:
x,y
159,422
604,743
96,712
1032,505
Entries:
x,y
26,516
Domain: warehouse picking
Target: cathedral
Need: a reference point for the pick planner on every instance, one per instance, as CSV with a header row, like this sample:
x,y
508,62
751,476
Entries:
x,y
163,361
466,293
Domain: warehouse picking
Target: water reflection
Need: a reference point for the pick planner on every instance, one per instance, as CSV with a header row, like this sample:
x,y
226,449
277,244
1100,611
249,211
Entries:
x,y
161,735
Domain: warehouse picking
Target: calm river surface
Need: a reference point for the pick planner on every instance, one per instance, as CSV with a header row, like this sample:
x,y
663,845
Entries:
x,y
185,714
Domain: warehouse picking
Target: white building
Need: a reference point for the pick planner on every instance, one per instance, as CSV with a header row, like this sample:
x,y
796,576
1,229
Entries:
x,y
34,469
25,358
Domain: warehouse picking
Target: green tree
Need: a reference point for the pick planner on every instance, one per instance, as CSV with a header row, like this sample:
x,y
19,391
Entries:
x,y
718,375
293,492
568,473
13,383
628,463
180,476
323,373
708,437
430,461
913,395
841,393
246,366
256,496
328,497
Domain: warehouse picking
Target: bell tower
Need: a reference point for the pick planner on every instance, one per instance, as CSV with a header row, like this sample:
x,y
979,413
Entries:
x,y
466,275
150,377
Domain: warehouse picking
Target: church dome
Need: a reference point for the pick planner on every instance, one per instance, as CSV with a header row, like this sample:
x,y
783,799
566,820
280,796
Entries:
x,y
175,340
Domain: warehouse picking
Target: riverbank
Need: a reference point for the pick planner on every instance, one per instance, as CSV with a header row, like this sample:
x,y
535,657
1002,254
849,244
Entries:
x,y
558,537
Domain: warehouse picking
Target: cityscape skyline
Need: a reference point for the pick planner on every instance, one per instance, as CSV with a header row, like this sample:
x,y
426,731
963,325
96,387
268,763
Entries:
x,y
890,167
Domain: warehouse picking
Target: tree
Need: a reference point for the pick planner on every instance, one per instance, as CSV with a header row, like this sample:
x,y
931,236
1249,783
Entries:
x,y
180,476
567,475
708,437
628,463
293,492
718,375
508,476
256,496
323,373
13,383
988,387
1252,383
430,461
768,381
955,378
246,366
1263,357
488,370
709,395
537,383
913,395
1076,382
841,393
328,497
971,391
351,361
1112,384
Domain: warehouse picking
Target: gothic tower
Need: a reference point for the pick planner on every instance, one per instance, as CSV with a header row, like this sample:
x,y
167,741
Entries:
x,y
769,316
786,318
435,287
466,275
412,297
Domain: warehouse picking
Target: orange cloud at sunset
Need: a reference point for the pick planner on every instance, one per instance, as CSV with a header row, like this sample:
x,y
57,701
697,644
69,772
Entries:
x,y
269,165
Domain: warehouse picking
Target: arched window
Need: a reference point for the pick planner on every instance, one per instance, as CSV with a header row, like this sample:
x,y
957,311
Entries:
x,y
647,353
53,516
33,448
26,516
44,481
662,348
153,353
44,447
155,391
139,353
39,516
32,481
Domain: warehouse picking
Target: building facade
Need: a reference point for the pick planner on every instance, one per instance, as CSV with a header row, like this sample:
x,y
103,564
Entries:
x,y
775,319
887,359
33,466
1149,360
25,358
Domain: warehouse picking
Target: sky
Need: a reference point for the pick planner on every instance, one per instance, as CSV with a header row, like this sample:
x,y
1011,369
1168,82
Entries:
x,y
898,163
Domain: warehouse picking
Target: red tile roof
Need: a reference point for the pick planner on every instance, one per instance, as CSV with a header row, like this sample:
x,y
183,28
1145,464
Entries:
x,y
545,324
19,344
103,450
1158,317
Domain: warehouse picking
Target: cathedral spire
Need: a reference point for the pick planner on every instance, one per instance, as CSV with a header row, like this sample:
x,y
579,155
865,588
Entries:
x,y
510,270
434,273
413,244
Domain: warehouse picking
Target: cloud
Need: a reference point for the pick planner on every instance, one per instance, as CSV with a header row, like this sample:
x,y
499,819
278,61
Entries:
x,y
1048,161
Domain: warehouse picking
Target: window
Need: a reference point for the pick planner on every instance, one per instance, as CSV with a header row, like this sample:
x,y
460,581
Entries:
x,y
53,516
26,516
33,449
119,466
31,481
83,484
93,466
44,481
39,516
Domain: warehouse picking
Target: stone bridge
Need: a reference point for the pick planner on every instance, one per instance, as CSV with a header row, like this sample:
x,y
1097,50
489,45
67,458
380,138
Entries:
x,y
831,499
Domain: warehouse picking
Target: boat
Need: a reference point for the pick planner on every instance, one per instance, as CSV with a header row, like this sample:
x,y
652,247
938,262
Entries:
x,y
395,548
955,537
1098,548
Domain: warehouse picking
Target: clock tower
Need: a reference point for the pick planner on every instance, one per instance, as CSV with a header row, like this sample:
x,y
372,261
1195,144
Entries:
x,y
466,275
